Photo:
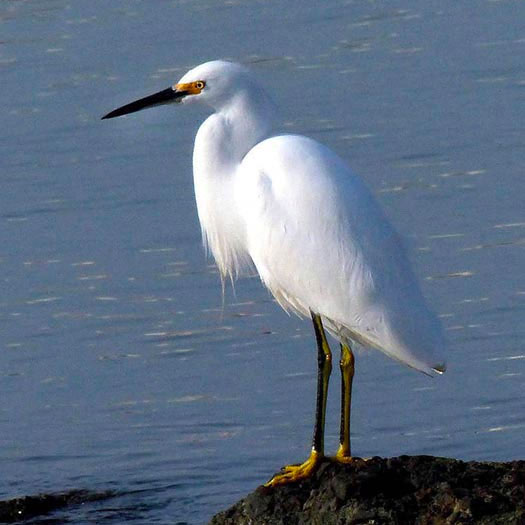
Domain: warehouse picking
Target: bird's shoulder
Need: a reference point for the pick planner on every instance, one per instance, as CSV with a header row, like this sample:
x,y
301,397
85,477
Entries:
x,y
294,153
298,164
297,168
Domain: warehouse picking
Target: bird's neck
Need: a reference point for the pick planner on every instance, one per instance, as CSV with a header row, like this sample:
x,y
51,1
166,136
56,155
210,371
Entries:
x,y
220,145
226,136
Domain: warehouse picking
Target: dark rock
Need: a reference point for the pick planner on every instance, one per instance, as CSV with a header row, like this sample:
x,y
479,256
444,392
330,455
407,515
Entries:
x,y
405,490
24,508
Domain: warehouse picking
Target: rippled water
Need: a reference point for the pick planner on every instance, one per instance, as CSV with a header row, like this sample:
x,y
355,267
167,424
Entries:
x,y
120,368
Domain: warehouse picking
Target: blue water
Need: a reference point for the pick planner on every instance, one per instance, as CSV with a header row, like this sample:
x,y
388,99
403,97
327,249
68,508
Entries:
x,y
120,368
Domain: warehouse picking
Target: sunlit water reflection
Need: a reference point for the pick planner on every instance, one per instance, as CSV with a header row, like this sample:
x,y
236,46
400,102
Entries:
x,y
120,366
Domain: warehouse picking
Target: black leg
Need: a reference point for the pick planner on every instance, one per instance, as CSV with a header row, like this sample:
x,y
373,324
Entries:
x,y
324,369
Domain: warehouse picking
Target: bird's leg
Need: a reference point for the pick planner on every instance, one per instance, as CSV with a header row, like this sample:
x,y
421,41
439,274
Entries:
x,y
293,473
324,369
347,374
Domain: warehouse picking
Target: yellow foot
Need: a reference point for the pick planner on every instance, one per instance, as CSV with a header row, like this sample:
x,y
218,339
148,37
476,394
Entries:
x,y
344,459
293,473
343,456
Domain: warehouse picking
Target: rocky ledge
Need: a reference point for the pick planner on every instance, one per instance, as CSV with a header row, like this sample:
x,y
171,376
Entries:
x,y
404,490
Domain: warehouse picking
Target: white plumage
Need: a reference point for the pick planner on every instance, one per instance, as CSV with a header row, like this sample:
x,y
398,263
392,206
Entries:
x,y
318,239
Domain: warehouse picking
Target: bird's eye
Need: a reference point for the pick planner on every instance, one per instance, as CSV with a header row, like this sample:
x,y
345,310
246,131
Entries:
x,y
199,84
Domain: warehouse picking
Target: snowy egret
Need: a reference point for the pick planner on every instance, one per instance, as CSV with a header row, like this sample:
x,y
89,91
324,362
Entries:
x,y
291,207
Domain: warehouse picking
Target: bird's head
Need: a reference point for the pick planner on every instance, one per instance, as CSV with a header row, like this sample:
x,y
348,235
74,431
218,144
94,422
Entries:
x,y
214,83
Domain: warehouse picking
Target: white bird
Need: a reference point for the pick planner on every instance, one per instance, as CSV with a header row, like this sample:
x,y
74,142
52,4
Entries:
x,y
291,207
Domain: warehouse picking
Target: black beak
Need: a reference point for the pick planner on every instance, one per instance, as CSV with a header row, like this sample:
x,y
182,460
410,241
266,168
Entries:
x,y
157,99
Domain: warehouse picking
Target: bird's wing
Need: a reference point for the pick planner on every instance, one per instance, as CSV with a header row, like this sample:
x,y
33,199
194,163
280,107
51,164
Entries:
x,y
320,242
